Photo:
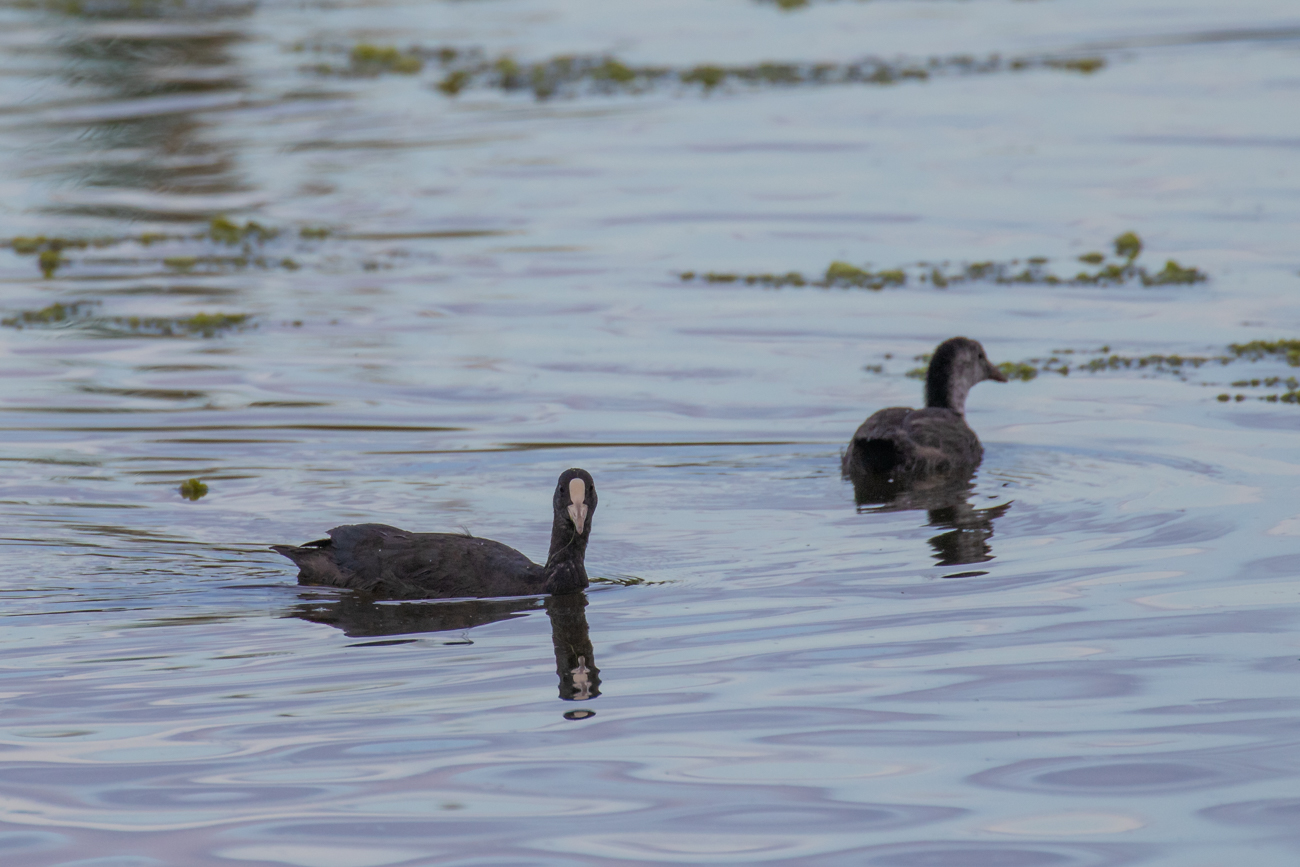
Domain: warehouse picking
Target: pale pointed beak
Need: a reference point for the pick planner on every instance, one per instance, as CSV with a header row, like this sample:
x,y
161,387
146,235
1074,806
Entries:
x,y
995,374
578,504
578,515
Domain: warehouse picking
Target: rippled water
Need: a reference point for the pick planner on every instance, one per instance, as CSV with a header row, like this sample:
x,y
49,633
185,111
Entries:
x,y
1089,658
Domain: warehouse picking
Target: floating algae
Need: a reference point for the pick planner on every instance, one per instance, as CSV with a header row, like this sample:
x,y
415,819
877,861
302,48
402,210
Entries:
x,y
102,9
374,59
251,236
216,264
574,75
193,489
57,313
1032,271
1018,370
367,60
225,231
181,263
846,275
1292,396
1086,65
454,82
1291,383
49,251
200,324
1128,245
1183,366
1259,349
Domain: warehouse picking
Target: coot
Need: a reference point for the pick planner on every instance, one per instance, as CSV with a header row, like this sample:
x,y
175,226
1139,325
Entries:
x,y
387,563
899,446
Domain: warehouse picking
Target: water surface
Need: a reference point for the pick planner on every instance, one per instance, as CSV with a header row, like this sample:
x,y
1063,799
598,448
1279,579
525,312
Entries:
x,y
1089,658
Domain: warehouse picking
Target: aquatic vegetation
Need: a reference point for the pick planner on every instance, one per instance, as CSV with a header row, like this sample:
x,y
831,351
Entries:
x,y
200,324
844,274
1258,349
1291,383
1086,65
49,261
193,489
1128,245
1172,274
225,231
1156,362
208,324
51,253
627,581
101,9
367,60
1033,270
840,274
373,59
454,82
574,75
1292,396
186,264
1018,370
75,312
57,313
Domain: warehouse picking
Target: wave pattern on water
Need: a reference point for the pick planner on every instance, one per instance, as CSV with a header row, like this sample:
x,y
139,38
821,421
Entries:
x,y
349,297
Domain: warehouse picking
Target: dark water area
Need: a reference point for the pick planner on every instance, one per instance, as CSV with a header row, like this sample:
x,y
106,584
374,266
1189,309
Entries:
x,y
406,262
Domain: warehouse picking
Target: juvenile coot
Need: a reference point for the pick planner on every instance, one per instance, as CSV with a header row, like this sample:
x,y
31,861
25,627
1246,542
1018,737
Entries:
x,y
388,563
900,446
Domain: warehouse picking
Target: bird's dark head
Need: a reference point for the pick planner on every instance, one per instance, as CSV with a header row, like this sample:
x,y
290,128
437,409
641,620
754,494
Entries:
x,y
957,364
575,504
575,499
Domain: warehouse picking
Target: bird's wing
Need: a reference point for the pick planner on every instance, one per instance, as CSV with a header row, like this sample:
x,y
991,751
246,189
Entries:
x,y
883,424
398,564
945,434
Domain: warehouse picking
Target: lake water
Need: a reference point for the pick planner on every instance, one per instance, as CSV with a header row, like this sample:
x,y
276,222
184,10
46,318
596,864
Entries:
x,y
1088,659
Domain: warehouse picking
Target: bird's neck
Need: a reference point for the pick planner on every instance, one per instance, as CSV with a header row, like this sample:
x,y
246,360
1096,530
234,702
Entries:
x,y
565,569
944,390
566,577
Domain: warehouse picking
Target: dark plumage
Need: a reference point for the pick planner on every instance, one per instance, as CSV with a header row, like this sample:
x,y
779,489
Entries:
x,y
388,563
900,446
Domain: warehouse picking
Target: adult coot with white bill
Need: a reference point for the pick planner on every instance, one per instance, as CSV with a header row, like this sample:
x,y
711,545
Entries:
x,y
387,563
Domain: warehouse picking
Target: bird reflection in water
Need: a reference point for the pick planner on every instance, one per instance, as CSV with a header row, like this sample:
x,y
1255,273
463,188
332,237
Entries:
x,y
948,506
575,660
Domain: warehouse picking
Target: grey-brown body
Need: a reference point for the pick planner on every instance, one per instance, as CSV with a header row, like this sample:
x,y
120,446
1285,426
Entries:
x,y
916,443
387,563
899,446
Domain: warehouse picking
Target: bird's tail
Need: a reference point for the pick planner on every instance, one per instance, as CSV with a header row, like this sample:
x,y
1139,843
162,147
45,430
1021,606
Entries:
x,y
293,552
876,457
